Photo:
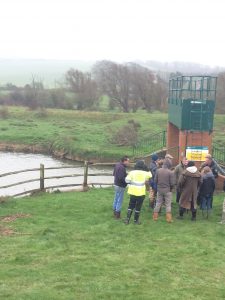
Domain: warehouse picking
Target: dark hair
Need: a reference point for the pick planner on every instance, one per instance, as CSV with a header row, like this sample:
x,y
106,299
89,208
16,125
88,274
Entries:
x,y
140,165
191,163
124,158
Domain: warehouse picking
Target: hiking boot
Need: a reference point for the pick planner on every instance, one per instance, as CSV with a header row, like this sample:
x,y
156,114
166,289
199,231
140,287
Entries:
x,y
169,218
155,216
117,215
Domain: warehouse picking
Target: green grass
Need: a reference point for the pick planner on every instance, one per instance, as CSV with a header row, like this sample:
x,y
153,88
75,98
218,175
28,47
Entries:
x,y
71,248
83,134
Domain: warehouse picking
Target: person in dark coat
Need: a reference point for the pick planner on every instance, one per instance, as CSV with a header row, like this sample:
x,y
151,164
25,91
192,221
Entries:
x,y
206,189
120,184
188,185
210,163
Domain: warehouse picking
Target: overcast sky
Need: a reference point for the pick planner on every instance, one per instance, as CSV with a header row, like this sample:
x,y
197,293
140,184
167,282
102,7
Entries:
x,y
123,30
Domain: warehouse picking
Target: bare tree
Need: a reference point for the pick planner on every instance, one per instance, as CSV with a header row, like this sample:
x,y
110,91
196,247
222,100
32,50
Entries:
x,y
143,86
84,87
33,93
220,101
114,81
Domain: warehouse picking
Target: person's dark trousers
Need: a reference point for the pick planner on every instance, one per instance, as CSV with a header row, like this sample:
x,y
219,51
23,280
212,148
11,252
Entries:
x,y
138,204
135,203
178,196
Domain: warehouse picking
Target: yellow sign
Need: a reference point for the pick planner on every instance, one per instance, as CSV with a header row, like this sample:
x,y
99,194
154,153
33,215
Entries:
x,y
196,153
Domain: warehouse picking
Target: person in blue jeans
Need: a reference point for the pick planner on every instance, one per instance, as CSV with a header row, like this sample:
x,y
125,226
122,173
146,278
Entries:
x,y
206,189
120,184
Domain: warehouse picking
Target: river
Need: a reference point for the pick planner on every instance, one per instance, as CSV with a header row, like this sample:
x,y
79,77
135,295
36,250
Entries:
x,y
10,162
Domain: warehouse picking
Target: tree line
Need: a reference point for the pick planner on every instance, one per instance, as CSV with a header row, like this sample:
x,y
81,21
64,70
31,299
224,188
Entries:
x,y
126,87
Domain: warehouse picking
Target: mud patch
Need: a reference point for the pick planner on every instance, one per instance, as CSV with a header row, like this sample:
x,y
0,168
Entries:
x,y
13,218
6,231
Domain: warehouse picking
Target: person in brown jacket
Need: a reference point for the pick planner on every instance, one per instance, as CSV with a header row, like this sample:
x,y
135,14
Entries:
x,y
164,179
188,184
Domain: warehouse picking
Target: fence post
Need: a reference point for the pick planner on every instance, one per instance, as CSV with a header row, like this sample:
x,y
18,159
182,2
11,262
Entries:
x,y
85,185
42,177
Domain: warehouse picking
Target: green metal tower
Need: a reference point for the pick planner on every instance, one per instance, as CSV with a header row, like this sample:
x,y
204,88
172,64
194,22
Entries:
x,y
192,102
191,112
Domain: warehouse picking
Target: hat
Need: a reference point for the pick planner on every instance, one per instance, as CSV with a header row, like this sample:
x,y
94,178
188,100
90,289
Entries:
x,y
154,157
169,156
140,165
167,163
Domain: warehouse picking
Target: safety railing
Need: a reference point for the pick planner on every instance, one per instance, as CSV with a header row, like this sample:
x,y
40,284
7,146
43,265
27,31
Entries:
x,y
218,152
154,142
86,178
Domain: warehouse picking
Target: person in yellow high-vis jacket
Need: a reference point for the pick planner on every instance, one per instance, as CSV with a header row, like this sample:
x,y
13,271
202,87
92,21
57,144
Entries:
x,y
137,181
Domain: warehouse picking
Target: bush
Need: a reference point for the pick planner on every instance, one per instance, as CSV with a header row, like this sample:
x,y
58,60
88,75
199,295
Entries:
x,y
41,113
4,112
126,136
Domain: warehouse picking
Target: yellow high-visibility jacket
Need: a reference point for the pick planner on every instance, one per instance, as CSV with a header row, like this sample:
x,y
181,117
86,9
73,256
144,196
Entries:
x,y
136,180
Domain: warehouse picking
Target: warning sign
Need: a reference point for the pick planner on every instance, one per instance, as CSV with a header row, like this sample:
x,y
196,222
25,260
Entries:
x,y
196,153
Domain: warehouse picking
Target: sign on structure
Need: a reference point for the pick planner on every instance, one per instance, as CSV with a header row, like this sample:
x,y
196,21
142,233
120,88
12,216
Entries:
x,y
196,153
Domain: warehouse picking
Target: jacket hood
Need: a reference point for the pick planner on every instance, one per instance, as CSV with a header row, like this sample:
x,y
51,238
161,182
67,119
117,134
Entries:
x,y
192,171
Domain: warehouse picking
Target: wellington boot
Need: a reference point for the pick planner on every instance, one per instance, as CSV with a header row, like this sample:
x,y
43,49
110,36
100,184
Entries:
x,y
155,216
129,213
137,222
169,218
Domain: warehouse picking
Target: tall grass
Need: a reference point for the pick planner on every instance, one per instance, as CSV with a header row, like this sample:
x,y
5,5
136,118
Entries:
x,y
83,134
70,247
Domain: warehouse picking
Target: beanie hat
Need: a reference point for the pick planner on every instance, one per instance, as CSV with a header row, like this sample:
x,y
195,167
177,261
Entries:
x,y
154,157
140,165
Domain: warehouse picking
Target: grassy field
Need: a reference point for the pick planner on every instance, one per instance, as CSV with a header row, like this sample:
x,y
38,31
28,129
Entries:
x,y
85,134
68,246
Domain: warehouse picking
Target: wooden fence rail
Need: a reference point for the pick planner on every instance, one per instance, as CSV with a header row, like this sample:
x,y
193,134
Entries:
x,y
42,178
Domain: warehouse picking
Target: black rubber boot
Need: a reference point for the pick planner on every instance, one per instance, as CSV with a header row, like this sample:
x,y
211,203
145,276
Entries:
x,y
181,214
136,218
193,218
129,213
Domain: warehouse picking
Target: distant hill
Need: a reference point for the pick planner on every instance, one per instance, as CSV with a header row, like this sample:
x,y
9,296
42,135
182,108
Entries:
x,y
20,71
186,68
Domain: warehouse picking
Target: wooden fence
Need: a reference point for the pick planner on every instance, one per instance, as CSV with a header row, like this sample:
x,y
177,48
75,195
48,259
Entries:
x,y
84,185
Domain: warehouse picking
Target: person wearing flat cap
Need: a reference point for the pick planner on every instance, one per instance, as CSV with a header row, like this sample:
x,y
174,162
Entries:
x,y
168,156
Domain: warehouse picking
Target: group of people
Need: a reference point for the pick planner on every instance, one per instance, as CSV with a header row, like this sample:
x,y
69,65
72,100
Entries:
x,y
193,186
